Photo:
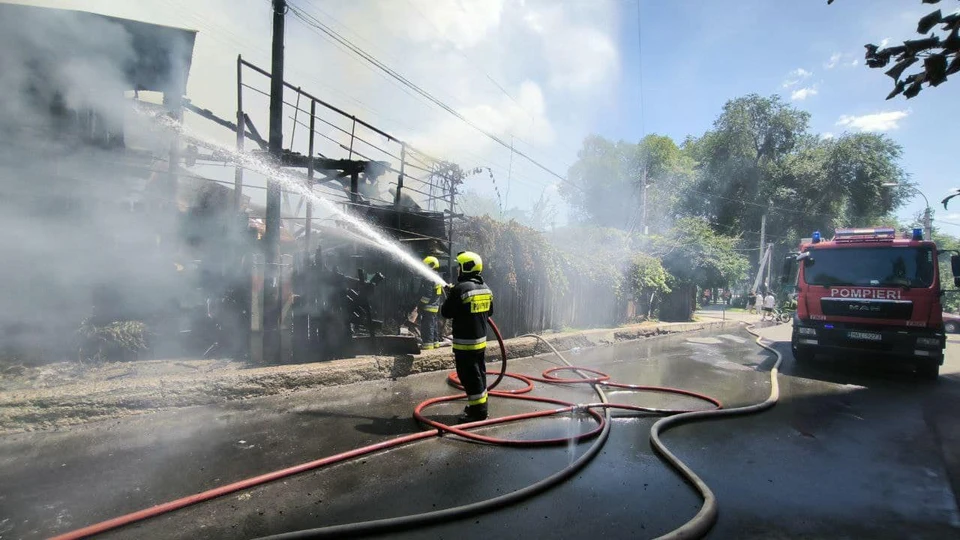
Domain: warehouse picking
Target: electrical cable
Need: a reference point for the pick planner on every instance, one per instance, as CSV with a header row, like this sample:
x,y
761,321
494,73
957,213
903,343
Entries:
x,y
312,21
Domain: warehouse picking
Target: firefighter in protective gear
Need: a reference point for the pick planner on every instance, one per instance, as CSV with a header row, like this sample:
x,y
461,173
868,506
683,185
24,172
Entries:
x,y
469,304
430,295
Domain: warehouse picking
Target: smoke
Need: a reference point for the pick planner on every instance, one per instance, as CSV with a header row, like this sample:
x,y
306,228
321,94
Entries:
x,y
85,225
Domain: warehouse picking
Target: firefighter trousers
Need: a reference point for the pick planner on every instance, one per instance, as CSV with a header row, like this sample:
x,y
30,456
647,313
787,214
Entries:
x,y
428,329
472,371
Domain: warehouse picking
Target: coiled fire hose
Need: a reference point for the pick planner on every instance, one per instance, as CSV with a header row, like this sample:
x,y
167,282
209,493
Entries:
x,y
696,527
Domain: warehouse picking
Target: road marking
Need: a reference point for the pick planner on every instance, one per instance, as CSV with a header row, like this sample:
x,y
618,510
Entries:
x,y
736,339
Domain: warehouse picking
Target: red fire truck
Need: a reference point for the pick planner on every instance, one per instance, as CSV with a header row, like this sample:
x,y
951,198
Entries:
x,y
869,290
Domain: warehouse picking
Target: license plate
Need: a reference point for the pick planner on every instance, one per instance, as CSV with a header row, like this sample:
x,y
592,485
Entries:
x,y
867,336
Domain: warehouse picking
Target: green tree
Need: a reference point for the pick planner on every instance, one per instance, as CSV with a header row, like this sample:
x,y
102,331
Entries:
x,y
605,185
760,160
645,281
692,252
857,167
739,158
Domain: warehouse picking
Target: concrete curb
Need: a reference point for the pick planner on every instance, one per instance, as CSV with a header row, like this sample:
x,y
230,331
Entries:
x,y
84,401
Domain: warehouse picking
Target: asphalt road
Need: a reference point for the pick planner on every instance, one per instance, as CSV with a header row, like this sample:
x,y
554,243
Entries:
x,y
855,449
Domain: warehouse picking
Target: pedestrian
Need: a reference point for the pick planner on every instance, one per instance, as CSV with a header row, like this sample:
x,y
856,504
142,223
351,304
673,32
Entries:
x,y
726,297
430,295
469,304
769,301
706,297
758,303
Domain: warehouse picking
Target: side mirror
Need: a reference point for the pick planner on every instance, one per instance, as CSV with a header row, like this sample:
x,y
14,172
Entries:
x,y
787,269
955,268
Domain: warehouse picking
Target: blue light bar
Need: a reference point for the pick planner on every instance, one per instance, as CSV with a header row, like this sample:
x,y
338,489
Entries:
x,y
872,234
918,234
816,237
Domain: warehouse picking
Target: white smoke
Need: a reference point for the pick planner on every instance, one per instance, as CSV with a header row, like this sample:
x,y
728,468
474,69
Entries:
x,y
74,197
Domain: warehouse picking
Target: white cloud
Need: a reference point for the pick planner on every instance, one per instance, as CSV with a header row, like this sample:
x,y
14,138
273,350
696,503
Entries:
x,y
826,135
795,76
801,94
881,121
884,42
580,54
841,60
463,23
450,136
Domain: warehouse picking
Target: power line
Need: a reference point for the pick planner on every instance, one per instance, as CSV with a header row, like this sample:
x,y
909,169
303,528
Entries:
x,y
315,23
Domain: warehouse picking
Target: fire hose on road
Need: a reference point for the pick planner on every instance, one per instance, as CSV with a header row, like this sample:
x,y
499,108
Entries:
x,y
695,528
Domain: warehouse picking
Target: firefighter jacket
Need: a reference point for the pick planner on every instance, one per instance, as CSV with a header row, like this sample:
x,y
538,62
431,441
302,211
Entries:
x,y
430,295
469,304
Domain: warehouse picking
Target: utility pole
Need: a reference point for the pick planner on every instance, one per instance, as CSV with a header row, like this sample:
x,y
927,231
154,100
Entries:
x,y
453,192
763,239
927,222
643,203
271,240
241,128
769,263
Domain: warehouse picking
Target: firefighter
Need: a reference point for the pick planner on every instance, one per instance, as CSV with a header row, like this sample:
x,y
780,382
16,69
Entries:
x,y
430,295
469,303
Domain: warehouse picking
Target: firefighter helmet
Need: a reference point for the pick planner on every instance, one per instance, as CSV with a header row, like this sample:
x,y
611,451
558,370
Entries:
x,y
469,262
431,261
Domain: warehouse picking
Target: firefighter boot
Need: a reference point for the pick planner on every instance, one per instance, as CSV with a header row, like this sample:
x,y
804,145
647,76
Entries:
x,y
473,413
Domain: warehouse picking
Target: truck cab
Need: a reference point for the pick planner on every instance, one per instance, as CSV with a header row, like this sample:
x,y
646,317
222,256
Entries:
x,y
869,290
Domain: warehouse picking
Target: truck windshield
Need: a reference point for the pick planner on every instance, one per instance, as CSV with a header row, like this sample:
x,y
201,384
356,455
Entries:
x,y
870,266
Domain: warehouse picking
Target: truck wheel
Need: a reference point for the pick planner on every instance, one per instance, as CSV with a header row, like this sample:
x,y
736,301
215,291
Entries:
x,y
803,354
951,327
928,370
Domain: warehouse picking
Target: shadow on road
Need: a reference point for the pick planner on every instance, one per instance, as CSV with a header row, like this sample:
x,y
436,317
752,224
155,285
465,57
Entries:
x,y
394,425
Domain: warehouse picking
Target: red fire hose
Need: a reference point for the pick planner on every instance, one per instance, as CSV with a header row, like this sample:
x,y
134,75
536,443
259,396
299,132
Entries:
x,y
597,381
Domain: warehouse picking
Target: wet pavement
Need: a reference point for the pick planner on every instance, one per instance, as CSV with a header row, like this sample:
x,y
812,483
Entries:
x,y
854,449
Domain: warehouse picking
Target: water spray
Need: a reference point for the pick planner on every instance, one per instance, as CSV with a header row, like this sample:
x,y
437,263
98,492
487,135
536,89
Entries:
x,y
292,183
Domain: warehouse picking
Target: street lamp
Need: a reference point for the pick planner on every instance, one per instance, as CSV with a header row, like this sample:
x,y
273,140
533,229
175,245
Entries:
x,y
927,214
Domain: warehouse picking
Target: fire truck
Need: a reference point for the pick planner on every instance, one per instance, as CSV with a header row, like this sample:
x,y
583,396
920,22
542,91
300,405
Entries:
x,y
869,290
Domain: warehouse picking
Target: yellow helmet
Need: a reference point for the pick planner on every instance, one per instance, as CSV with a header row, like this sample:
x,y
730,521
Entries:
x,y
469,262
432,262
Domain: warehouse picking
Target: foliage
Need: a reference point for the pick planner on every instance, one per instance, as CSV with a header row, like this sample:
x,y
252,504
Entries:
x,y
598,253
605,186
945,243
693,253
940,54
118,340
512,252
645,281
760,160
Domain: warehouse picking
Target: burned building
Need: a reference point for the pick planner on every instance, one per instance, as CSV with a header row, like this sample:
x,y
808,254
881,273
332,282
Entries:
x,y
106,222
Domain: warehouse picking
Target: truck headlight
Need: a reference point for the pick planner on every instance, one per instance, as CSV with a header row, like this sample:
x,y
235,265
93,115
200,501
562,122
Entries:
x,y
928,342
807,331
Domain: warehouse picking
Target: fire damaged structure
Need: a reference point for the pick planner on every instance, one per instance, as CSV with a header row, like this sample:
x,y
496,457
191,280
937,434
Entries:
x,y
114,221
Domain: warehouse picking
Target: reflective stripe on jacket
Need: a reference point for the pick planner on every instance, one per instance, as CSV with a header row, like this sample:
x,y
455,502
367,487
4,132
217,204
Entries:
x,y
430,296
469,304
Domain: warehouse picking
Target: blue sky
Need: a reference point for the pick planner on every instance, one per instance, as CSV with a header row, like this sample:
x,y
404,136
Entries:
x,y
698,55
